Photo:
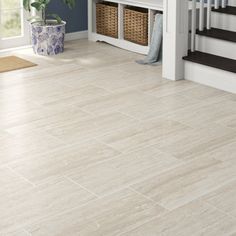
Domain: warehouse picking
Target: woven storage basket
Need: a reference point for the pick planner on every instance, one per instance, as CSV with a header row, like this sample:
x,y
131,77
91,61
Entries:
x,y
136,25
107,19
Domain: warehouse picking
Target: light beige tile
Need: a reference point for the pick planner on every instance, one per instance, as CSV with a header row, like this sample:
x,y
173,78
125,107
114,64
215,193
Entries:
x,y
14,147
32,92
225,153
196,219
196,142
186,183
228,121
158,107
224,198
76,96
169,88
143,134
42,113
113,81
205,113
11,183
124,170
205,93
53,121
91,128
95,91
35,74
41,167
17,233
116,101
31,205
108,216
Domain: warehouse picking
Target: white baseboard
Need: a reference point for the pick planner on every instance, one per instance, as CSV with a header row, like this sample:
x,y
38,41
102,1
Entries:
x,y
68,37
76,35
210,76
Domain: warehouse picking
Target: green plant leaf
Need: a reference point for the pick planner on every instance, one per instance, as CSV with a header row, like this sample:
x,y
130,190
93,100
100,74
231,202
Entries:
x,y
70,3
37,5
56,17
26,4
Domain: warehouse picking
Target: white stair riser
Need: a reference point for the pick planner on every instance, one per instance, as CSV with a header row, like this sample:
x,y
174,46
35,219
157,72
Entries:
x,y
232,3
209,76
223,21
216,46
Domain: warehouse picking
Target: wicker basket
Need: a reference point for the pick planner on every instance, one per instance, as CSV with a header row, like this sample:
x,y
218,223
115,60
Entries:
x,y
136,25
107,19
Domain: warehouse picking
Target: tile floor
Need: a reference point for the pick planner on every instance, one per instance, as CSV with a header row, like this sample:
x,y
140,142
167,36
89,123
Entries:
x,y
92,144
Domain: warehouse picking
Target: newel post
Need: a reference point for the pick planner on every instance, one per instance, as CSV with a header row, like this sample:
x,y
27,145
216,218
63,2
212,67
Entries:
x,y
175,38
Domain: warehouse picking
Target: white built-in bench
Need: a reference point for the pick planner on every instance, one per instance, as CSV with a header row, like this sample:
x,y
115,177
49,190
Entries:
x,y
151,5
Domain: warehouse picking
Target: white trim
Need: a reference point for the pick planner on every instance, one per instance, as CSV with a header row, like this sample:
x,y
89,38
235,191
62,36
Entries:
x,y
76,35
68,37
15,48
121,43
210,76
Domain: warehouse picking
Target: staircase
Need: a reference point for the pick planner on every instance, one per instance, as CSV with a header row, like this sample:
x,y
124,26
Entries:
x,y
212,57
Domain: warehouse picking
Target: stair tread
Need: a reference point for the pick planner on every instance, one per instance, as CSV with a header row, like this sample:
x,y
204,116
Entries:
x,y
227,10
218,34
212,61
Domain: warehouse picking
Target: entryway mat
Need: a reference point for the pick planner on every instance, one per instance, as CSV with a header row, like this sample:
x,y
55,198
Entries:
x,y
11,63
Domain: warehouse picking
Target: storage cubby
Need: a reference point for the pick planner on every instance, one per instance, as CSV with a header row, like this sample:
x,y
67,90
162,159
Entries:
x,y
125,24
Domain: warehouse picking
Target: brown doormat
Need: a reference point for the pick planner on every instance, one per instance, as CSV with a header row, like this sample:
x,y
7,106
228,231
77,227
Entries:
x,y
13,63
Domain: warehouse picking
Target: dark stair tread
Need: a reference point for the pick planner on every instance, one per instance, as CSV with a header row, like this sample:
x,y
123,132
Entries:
x,y
212,61
228,10
218,34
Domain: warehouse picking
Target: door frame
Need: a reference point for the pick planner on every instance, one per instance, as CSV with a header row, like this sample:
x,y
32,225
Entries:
x,y
17,41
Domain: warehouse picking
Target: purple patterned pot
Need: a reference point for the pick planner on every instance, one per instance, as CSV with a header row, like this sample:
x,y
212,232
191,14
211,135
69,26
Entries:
x,y
49,39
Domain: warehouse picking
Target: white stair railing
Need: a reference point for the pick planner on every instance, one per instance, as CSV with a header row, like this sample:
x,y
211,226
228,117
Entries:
x,y
203,6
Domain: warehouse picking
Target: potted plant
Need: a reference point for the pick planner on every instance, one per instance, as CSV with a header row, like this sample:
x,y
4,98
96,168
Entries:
x,y
47,30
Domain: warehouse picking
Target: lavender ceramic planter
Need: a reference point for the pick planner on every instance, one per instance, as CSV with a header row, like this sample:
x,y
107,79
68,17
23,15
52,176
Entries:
x,y
48,40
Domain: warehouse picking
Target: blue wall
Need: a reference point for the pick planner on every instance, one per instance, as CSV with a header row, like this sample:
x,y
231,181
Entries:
x,y
76,19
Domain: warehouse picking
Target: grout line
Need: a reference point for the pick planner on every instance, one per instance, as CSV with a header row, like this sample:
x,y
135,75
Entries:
x,y
132,117
27,232
148,198
216,208
74,182
109,146
20,176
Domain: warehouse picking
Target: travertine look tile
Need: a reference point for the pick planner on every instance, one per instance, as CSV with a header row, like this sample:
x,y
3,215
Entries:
x,y
94,144
158,107
76,96
143,134
112,215
124,170
196,219
31,205
168,89
11,183
228,121
197,141
224,199
186,183
17,233
51,121
116,101
41,167
16,146
92,127
205,93
46,113
225,153
113,81
204,114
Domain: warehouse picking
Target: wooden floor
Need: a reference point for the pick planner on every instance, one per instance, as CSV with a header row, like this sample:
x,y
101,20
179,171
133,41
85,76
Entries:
x,y
93,144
